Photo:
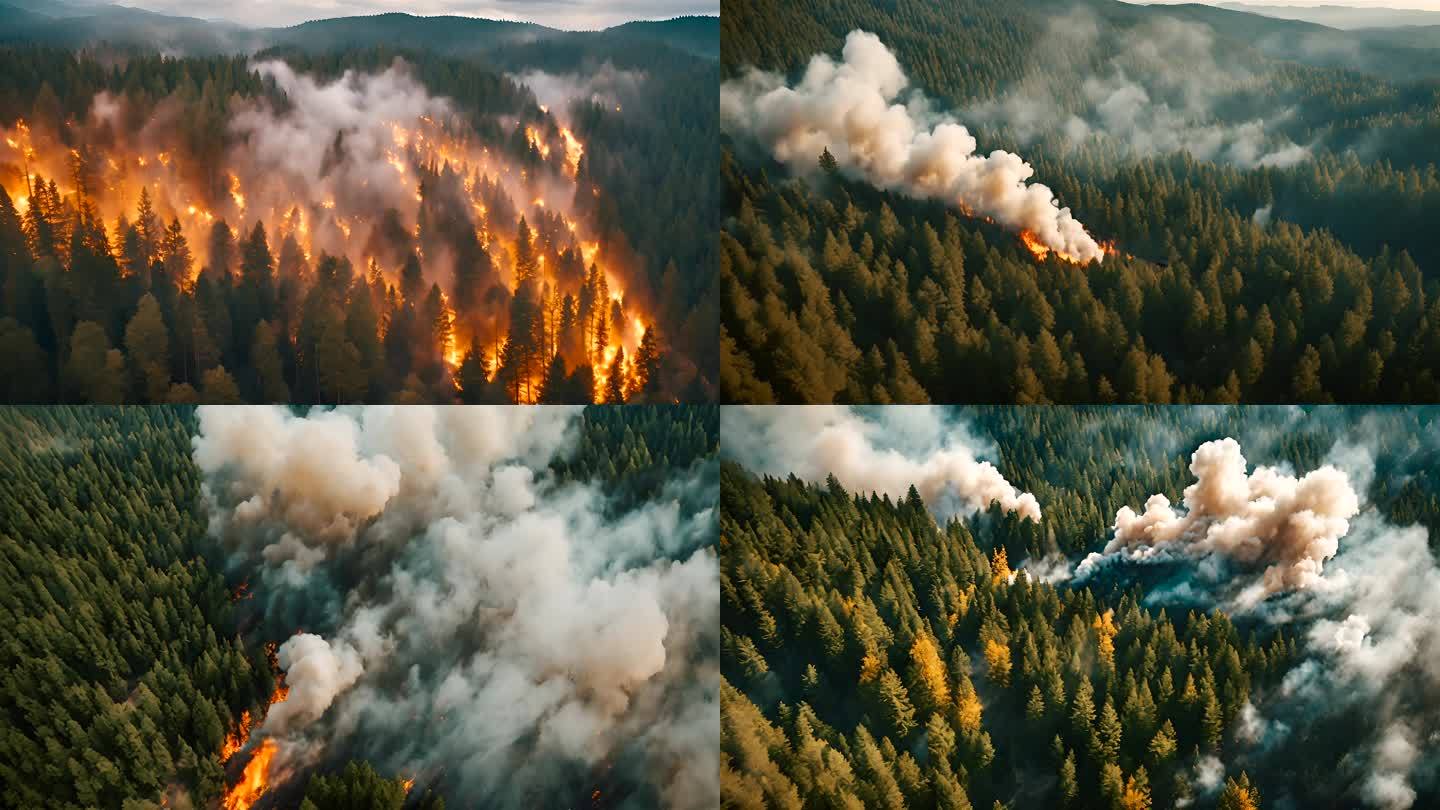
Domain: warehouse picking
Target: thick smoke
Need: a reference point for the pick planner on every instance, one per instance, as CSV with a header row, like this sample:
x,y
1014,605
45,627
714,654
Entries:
x,y
1289,526
606,84
469,621
858,109
1361,693
885,450
1156,89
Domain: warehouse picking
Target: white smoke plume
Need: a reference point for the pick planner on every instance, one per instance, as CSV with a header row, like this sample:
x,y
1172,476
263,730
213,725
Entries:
x,y
471,621
859,110
1159,90
317,673
604,85
885,450
1268,518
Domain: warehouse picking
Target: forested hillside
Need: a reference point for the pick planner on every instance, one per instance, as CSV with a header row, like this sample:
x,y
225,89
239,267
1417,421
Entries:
x,y
133,671
1249,271
118,291
123,668
875,657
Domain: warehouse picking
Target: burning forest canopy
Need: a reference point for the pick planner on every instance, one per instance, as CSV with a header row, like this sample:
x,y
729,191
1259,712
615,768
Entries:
x,y
357,226
387,606
1216,606
1088,201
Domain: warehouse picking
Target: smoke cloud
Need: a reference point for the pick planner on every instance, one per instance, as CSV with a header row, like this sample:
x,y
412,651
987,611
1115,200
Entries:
x,y
859,110
1156,89
883,450
1268,518
606,84
1362,688
470,620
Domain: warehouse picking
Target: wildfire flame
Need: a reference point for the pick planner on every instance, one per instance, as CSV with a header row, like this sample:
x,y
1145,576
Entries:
x,y
256,777
254,781
329,219
1040,250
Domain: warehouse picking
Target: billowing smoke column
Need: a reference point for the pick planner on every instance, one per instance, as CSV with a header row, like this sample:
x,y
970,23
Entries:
x,y
1361,692
885,450
1289,525
468,620
855,109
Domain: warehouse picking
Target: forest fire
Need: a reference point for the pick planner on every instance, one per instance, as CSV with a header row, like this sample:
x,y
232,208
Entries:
x,y
254,781
256,777
1041,251
425,188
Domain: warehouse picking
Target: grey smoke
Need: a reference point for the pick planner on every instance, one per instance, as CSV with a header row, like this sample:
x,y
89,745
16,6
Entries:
x,y
605,84
884,450
861,111
470,621
1158,93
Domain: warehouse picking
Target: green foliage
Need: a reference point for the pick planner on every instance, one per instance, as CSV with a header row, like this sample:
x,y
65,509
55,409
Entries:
x,y
121,671
799,558
834,291
359,787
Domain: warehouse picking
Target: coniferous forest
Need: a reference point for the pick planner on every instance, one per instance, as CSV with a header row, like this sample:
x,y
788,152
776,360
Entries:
x,y
146,657
1261,188
879,651
510,218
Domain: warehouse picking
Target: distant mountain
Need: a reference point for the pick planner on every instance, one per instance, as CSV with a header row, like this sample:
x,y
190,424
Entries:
x,y
1299,41
446,35
1343,17
73,24
698,35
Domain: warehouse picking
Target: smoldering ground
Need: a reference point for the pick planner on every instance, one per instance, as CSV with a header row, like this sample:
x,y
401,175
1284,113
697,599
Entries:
x,y
1354,720
455,613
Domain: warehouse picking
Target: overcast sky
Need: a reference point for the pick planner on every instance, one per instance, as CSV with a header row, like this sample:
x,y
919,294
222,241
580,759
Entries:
x,y
1427,5
567,14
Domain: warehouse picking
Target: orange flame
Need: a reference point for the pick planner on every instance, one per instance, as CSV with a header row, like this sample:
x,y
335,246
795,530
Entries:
x,y
325,220
1040,250
236,739
254,781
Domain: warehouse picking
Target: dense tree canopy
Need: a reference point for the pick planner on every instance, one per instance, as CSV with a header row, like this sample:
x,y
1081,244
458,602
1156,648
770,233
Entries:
x,y
127,656
835,291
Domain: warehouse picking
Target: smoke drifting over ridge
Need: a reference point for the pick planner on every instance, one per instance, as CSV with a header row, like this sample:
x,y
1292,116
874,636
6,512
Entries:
x,y
858,109
469,621
885,450
1157,88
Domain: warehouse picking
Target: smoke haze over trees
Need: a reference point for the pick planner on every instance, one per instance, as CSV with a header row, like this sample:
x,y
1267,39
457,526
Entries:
x,y
1270,230
875,657
306,252
154,648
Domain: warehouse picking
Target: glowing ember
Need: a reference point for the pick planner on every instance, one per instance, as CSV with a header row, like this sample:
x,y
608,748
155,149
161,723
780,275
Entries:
x,y
409,783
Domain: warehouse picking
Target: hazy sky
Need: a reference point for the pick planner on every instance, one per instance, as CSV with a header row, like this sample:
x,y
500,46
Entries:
x,y
1427,5
568,14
